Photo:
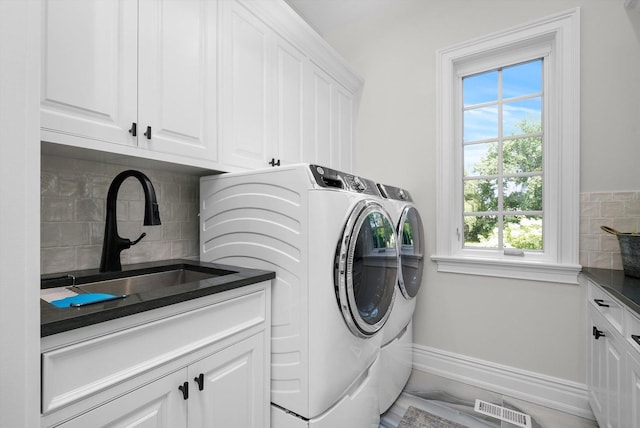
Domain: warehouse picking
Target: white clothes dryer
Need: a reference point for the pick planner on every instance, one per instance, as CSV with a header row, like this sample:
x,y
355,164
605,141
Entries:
x,y
396,353
334,250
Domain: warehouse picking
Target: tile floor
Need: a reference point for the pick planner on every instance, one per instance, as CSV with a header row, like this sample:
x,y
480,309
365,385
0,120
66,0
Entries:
x,y
455,401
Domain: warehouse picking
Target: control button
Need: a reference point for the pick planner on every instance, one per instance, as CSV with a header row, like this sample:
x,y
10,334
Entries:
x,y
402,194
358,184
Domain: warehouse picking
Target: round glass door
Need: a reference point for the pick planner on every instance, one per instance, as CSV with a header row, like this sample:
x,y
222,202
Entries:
x,y
367,269
411,236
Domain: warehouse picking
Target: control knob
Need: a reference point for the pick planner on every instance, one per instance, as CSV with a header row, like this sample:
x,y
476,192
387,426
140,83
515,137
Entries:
x,y
358,184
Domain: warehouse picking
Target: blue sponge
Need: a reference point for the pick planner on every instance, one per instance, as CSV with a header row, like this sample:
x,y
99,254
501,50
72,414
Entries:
x,y
84,299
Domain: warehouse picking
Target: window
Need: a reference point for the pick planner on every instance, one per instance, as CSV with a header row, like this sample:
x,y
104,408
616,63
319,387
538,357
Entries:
x,y
508,153
502,157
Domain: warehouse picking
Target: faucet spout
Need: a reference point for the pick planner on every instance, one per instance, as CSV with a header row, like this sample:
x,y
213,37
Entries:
x,y
113,243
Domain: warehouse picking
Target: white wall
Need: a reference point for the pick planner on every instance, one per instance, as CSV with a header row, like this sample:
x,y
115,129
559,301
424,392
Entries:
x,y
533,326
19,213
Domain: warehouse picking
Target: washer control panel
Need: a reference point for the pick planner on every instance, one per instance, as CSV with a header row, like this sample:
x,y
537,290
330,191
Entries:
x,y
331,178
395,193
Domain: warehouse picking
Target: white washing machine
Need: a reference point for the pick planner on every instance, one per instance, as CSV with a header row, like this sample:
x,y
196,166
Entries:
x,y
396,353
333,248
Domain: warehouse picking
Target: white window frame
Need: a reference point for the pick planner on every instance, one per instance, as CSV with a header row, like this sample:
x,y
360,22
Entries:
x,y
556,39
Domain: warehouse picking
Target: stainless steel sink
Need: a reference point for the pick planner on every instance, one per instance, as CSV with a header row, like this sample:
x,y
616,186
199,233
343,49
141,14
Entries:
x,y
136,282
147,282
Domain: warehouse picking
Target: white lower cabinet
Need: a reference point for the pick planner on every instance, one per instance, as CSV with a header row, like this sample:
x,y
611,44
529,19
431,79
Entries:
x,y
613,360
158,404
200,363
232,387
632,336
224,389
606,366
633,374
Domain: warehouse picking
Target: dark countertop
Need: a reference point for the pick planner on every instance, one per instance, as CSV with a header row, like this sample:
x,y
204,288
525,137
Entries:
x,y
624,288
55,320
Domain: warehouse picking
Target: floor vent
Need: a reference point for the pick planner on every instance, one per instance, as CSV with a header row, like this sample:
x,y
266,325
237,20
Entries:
x,y
516,418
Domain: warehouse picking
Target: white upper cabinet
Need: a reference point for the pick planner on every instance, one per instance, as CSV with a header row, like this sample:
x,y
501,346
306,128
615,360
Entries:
x,y
261,94
246,76
289,108
330,113
284,96
177,77
113,70
218,84
89,78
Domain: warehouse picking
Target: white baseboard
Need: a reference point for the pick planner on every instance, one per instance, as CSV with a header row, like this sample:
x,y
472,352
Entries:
x,y
555,393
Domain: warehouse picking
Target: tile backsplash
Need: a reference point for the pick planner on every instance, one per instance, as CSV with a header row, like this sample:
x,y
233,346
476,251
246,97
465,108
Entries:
x,y
619,210
73,196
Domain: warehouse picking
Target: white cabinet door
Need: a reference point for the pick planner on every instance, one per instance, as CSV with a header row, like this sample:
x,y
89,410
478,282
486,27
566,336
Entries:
x,y
319,135
245,93
261,91
177,77
157,405
330,121
89,70
110,65
344,113
596,378
233,392
606,372
634,390
615,365
289,102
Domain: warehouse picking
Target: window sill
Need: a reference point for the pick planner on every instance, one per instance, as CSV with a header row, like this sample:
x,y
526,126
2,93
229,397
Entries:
x,y
516,269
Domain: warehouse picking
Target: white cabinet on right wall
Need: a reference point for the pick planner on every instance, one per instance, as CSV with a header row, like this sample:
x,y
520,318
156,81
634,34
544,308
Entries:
x,y
606,365
613,359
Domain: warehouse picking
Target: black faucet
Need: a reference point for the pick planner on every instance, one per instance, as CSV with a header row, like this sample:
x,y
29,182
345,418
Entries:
x,y
113,244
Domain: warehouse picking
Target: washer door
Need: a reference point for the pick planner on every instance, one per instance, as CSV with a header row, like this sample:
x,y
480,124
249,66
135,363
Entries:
x,y
366,268
411,236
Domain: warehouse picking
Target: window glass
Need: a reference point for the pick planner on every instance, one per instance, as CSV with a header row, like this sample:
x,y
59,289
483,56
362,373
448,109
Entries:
x,y
479,231
516,112
522,193
503,176
485,88
522,155
477,159
481,195
481,123
522,79
523,232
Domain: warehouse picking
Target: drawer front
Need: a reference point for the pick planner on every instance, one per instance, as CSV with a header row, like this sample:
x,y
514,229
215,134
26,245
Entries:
x,y
74,372
632,323
606,305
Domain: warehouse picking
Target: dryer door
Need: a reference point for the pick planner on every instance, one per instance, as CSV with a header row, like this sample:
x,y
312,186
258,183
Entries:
x,y
411,236
366,268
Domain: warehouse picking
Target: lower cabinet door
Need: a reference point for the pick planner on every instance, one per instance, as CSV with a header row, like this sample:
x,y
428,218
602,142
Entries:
x,y
614,358
634,390
159,404
597,366
229,388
